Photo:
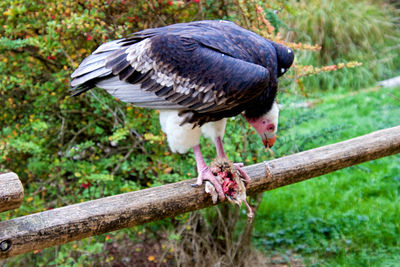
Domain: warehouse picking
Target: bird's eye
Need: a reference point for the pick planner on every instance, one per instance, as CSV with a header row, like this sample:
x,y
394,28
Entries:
x,y
271,127
283,70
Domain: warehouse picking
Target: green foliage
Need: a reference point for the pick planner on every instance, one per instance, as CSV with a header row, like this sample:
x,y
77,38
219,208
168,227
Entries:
x,y
364,31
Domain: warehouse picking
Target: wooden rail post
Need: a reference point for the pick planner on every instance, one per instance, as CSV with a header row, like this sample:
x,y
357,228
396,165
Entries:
x,y
62,225
11,191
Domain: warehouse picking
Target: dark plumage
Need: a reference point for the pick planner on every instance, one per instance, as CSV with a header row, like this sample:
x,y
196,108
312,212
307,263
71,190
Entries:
x,y
208,70
196,74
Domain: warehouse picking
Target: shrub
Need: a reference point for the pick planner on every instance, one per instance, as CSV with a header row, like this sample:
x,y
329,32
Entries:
x,y
68,150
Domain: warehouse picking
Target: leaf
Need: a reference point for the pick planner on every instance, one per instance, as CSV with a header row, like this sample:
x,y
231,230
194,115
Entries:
x,y
119,134
100,177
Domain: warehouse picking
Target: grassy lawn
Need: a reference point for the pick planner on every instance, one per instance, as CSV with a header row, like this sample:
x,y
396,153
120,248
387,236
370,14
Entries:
x,y
350,217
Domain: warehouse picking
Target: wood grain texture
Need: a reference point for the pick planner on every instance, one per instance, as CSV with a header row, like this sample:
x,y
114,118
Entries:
x,y
11,191
62,225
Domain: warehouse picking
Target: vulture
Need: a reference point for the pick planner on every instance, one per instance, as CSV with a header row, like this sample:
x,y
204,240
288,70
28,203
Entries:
x,y
196,74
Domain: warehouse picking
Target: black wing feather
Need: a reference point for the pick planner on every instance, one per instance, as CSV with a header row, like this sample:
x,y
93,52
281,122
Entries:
x,y
225,79
208,69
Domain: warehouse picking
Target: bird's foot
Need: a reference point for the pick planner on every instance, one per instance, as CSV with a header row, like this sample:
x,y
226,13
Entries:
x,y
213,184
242,173
233,180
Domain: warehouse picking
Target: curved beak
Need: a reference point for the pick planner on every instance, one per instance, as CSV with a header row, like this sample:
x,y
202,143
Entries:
x,y
269,142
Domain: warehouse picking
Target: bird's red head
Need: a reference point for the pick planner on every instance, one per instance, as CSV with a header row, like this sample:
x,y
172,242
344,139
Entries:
x,y
267,125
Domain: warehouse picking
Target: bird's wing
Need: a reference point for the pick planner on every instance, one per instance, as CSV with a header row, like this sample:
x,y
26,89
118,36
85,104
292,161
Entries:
x,y
179,71
172,71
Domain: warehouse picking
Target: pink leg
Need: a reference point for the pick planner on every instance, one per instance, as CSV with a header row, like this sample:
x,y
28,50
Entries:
x,y
221,153
204,173
220,148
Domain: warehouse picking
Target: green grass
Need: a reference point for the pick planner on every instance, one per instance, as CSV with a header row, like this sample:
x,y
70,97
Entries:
x,y
347,218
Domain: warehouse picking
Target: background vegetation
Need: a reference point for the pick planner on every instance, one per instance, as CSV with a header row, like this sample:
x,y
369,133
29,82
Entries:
x,y
68,150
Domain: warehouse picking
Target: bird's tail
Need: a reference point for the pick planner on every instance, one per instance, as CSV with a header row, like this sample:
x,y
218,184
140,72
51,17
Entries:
x,y
93,69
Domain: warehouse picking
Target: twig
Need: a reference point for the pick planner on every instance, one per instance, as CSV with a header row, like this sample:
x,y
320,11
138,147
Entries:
x,y
392,95
243,15
60,136
122,160
70,143
153,9
71,61
117,120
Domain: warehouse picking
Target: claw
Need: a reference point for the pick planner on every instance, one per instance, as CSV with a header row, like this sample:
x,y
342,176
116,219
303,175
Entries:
x,y
210,189
244,175
250,212
207,175
239,164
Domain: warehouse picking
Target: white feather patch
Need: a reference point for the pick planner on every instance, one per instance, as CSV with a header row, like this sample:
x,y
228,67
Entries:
x,y
133,93
109,46
180,138
273,115
214,129
139,56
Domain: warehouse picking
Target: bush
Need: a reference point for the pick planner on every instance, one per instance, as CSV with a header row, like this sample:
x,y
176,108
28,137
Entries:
x,y
68,150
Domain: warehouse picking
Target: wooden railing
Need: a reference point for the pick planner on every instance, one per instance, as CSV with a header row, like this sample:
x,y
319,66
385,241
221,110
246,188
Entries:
x,y
11,191
74,222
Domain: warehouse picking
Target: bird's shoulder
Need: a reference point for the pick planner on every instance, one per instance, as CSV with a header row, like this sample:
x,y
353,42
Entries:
x,y
219,35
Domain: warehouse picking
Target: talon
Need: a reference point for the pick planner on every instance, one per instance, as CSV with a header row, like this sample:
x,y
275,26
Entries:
x,y
250,212
210,189
231,200
244,175
206,175
239,164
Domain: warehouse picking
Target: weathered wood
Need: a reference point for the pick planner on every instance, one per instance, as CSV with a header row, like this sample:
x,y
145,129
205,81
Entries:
x,y
81,220
11,191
